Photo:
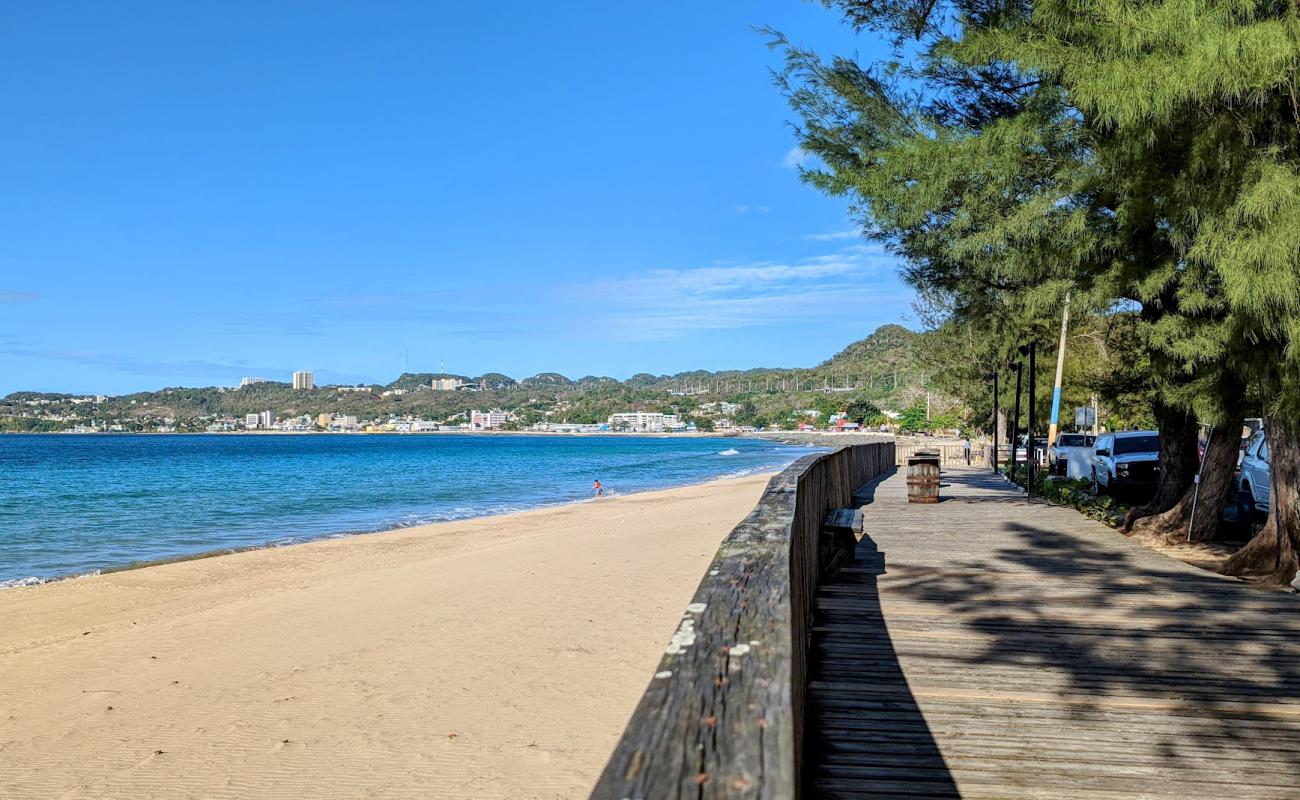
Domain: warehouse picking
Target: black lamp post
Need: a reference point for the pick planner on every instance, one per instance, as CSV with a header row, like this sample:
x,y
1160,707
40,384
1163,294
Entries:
x,y
1015,421
995,420
1033,419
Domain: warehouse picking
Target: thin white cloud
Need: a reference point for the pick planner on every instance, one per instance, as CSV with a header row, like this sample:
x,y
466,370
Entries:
x,y
666,304
169,370
755,209
795,158
833,236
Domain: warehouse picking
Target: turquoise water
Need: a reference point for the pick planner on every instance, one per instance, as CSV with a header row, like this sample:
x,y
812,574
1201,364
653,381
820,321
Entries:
x,y
73,504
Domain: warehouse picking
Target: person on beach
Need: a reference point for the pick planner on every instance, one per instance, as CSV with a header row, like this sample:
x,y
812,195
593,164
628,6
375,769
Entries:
x,y
597,488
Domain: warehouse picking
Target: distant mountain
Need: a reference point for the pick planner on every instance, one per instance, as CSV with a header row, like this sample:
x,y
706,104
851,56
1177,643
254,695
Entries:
x,y
412,380
882,368
888,347
546,379
495,380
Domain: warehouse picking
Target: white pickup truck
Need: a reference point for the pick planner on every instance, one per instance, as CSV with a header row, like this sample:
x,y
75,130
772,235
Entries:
x,y
1071,455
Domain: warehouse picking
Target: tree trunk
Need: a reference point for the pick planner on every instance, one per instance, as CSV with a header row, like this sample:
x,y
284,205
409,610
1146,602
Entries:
x,y
1216,488
1178,462
1268,554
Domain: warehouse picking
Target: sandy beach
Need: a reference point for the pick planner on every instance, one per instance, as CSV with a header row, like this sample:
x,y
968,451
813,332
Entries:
x,y
494,658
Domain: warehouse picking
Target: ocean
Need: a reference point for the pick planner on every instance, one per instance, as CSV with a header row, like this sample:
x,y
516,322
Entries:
x,y
78,504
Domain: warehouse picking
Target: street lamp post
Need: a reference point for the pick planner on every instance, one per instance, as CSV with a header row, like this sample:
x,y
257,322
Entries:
x,y
1031,458
995,420
1015,421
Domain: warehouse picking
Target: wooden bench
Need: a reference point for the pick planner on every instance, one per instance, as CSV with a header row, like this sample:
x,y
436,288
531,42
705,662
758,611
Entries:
x,y
839,539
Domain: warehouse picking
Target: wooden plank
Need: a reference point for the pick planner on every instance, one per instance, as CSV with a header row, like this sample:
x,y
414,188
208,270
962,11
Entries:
x,y
988,647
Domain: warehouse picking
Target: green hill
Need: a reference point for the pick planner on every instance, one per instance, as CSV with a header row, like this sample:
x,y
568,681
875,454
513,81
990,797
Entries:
x,y
881,369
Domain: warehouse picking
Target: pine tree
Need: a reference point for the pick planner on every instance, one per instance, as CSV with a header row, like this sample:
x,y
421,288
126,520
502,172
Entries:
x,y
1134,152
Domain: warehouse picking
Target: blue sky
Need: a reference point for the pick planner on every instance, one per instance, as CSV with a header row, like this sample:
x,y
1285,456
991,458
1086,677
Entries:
x,y
197,192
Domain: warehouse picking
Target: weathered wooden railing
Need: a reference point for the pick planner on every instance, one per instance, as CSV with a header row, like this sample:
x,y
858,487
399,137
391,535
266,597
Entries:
x,y
950,455
723,715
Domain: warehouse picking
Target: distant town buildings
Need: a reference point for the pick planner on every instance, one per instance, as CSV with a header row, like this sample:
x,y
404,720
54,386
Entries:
x,y
251,381
343,422
324,420
646,422
569,427
303,380
251,422
447,384
720,407
488,420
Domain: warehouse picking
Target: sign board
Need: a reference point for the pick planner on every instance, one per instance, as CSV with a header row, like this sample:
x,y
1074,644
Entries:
x,y
1084,416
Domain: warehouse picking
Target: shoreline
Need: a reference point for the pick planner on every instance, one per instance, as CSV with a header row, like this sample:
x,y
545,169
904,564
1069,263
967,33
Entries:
x,y
629,434
35,581
493,657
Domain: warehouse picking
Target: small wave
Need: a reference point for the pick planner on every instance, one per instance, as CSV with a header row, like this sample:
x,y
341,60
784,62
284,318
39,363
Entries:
x,y
15,582
729,452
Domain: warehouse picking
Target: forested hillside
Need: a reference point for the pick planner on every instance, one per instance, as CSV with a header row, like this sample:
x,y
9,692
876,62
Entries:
x,y
881,371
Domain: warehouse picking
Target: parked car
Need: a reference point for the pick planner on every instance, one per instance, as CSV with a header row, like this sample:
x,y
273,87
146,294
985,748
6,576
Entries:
x,y
1253,481
1127,459
1071,454
1022,454
1249,429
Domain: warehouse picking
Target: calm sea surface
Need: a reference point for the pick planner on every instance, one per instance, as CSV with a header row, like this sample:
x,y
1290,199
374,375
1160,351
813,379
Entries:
x,y
76,504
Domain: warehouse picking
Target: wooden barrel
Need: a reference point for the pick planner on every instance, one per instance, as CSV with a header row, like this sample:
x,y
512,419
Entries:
x,y
923,478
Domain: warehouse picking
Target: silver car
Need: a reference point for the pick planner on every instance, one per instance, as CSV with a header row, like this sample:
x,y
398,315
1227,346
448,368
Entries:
x,y
1253,480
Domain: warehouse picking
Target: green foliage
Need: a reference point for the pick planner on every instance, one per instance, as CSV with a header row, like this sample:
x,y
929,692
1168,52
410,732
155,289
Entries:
x,y
913,418
28,425
861,411
1142,156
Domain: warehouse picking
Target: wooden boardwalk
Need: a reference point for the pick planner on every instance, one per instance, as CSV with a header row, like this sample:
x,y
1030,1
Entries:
x,y
988,647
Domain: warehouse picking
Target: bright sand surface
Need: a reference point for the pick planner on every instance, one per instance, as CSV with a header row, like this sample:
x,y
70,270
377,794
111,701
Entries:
x,y
496,657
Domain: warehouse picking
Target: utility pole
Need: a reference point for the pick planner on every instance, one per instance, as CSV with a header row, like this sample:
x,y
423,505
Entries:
x,y
1052,427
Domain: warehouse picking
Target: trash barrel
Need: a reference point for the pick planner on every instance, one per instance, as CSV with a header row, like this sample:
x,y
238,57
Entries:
x,y
923,477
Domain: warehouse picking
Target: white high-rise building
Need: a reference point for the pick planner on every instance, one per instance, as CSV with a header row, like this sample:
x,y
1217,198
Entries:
x,y
265,420
488,420
251,421
303,380
644,421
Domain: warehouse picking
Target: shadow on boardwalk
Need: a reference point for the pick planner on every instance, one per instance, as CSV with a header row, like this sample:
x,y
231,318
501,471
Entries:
x,y
1032,652
865,731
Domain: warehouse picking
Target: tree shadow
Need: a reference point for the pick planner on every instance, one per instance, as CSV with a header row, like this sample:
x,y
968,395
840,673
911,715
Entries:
x,y
1181,675
865,735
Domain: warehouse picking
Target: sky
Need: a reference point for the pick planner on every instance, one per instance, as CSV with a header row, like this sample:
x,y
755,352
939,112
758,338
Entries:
x,y
197,192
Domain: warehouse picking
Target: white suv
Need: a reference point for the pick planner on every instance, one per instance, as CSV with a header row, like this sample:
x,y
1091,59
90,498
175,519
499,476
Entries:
x,y
1126,459
1253,480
